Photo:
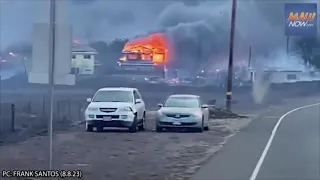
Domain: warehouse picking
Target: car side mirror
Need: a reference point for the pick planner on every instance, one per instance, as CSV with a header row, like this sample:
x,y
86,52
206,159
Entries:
x,y
204,106
89,100
138,101
160,105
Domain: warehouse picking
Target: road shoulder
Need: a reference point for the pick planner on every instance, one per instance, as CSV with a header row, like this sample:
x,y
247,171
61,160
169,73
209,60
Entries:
x,y
167,155
238,158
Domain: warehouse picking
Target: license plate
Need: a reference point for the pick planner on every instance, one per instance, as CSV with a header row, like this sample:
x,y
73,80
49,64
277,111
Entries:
x,y
176,123
106,118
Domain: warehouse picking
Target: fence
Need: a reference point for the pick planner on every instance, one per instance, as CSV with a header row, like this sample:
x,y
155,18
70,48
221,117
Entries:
x,y
35,113
71,110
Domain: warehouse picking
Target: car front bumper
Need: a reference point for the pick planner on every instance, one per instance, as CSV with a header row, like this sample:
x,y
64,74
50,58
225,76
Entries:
x,y
179,123
112,123
115,119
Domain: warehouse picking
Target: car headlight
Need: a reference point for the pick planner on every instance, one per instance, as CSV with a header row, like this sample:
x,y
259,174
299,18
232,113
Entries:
x,y
126,109
92,109
198,115
159,114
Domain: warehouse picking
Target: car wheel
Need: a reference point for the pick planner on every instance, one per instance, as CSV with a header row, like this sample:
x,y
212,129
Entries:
x,y
159,129
200,129
142,125
99,128
133,127
206,128
89,128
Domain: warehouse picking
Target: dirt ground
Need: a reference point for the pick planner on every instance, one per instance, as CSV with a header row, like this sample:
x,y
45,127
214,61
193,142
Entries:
x,y
119,155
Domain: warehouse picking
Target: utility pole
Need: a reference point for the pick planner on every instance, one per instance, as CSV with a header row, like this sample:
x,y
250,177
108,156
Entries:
x,y
249,59
1,3
288,43
230,64
52,25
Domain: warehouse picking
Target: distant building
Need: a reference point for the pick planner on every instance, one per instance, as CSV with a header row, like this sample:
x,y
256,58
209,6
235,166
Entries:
x,y
286,76
83,59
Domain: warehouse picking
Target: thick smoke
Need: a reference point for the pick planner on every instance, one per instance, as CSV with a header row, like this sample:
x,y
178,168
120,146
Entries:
x,y
96,20
199,33
260,87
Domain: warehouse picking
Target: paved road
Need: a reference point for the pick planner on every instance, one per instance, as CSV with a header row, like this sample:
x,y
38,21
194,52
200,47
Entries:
x,y
293,153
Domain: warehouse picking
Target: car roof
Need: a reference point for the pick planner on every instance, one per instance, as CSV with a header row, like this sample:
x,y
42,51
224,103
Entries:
x,y
117,89
184,95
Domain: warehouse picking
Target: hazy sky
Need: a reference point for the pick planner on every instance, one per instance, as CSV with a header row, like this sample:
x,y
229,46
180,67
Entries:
x,y
259,23
109,19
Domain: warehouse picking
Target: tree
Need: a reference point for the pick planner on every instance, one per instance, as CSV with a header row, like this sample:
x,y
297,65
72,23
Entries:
x,y
99,46
109,53
310,48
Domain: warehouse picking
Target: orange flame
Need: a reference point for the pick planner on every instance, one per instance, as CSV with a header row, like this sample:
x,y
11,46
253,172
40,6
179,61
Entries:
x,y
154,47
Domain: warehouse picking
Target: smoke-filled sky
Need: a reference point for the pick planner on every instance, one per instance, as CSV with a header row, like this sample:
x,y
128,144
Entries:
x,y
259,22
109,19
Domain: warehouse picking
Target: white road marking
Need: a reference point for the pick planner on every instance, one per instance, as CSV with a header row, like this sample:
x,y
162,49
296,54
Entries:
x,y
266,149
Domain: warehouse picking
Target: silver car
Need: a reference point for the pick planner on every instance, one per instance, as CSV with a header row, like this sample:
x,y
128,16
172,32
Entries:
x,y
183,111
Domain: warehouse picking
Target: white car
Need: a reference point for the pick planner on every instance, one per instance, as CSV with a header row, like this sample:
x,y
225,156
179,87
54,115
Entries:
x,y
116,107
183,111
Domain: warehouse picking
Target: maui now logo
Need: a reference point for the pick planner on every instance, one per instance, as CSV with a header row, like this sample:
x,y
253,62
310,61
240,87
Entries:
x,y
304,19
301,19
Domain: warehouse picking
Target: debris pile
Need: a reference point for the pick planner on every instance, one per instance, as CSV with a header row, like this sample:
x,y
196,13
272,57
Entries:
x,y
220,113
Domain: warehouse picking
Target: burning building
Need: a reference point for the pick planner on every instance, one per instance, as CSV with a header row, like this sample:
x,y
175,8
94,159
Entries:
x,y
153,49
149,53
198,37
172,49
195,38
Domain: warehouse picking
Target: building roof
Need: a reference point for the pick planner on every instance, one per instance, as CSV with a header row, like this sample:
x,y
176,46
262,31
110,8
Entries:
x,y
285,71
83,49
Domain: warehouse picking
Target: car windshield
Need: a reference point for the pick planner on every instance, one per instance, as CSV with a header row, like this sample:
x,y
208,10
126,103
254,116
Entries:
x,y
187,102
113,96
